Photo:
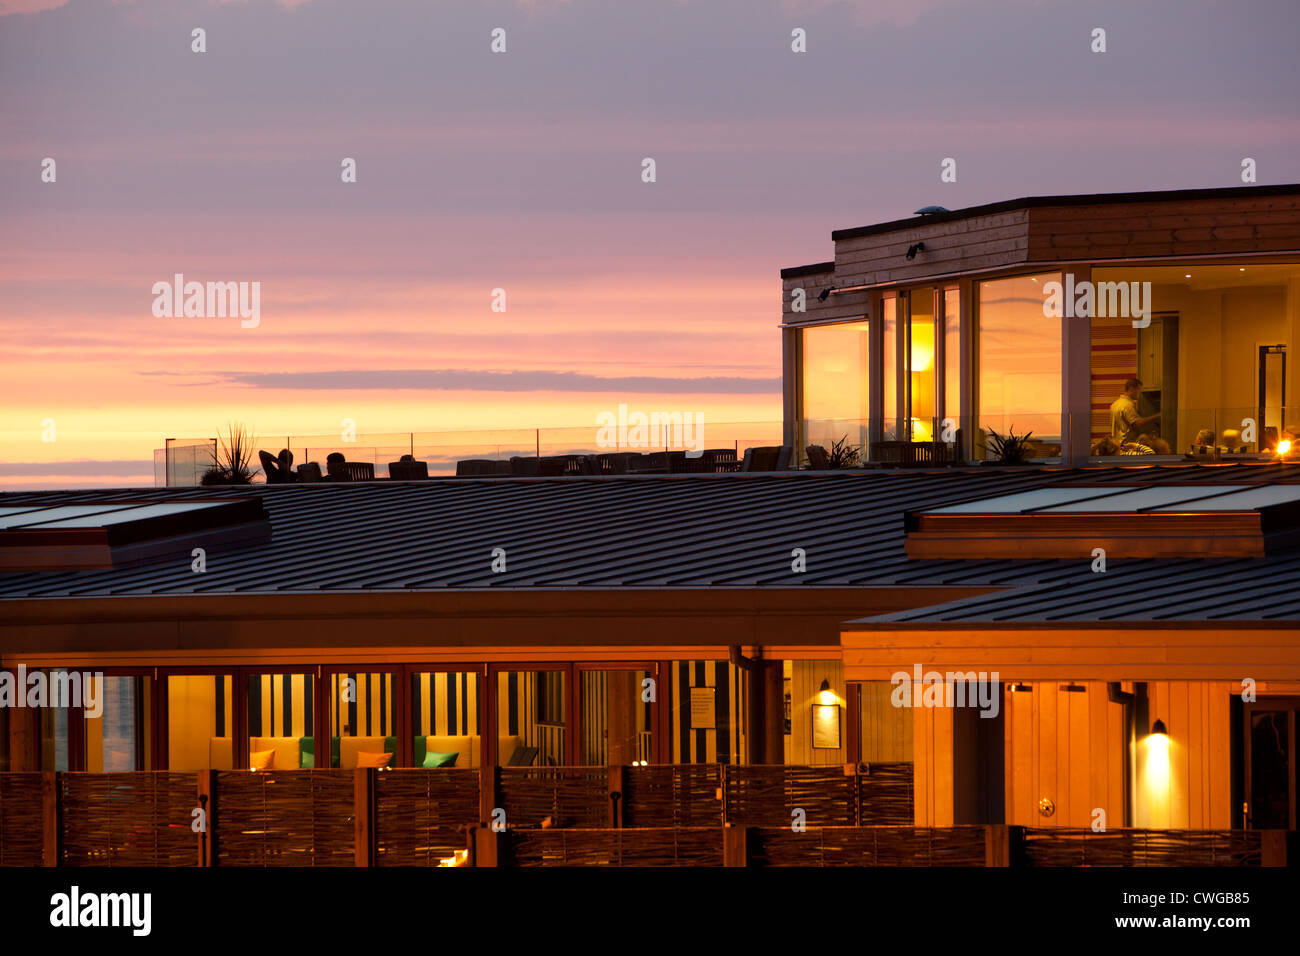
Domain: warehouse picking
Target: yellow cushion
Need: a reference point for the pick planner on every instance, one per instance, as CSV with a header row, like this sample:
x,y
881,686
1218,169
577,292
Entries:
x,y
262,760
365,759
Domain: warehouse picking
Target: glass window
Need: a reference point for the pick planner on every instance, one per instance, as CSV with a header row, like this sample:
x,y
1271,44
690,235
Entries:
x,y
921,365
363,720
708,710
199,726
117,736
1209,358
889,365
1019,364
616,718
530,718
836,393
444,716
281,714
952,355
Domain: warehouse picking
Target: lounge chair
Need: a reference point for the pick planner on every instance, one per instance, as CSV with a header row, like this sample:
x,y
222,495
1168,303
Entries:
x,y
481,468
767,458
408,469
818,459
309,472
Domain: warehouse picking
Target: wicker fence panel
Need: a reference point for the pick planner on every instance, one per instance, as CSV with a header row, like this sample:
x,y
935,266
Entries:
x,y
141,818
769,795
1062,847
885,795
285,818
867,846
672,795
22,819
570,796
421,815
661,846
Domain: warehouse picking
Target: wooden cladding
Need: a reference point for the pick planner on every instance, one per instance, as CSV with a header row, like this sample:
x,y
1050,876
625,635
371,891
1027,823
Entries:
x,y
1179,227
1250,220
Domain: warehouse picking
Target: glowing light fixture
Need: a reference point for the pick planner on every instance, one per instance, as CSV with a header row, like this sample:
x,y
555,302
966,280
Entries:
x,y
922,356
1283,447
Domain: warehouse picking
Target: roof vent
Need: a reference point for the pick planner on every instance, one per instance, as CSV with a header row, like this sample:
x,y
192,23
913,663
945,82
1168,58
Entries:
x,y
930,210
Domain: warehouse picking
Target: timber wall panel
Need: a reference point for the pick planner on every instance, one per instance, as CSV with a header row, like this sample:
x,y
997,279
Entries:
x,y
569,796
693,846
128,819
22,815
286,818
421,815
868,846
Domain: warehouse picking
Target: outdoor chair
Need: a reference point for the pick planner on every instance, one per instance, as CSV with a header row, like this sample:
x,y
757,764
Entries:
x,y
613,463
766,458
654,463
522,467
481,468
352,471
559,465
408,469
309,472
818,459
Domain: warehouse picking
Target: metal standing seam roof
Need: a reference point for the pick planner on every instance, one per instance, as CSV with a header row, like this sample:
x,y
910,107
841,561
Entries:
x,y
688,531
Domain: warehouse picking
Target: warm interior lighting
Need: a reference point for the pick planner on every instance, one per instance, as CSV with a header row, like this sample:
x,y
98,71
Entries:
x,y
922,356
921,431
1283,447
1155,777
825,695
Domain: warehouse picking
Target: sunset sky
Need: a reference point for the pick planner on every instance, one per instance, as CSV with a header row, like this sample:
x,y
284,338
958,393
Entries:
x,y
522,171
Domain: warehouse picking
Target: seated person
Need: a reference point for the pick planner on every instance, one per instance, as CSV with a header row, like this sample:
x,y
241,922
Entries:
x,y
1108,447
1203,443
1157,444
333,466
278,471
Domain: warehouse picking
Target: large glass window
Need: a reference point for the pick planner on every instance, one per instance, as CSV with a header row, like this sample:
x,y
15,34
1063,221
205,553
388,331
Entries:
x,y
1208,359
889,365
530,718
616,717
363,721
920,382
444,716
836,393
199,726
281,733
952,355
117,736
708,710
1019,365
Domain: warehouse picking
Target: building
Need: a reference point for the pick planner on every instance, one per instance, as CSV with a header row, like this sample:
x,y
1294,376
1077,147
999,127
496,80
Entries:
x,y
1073,646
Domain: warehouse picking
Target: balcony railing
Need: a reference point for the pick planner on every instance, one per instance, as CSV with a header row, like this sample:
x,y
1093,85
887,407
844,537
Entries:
x,y
680,815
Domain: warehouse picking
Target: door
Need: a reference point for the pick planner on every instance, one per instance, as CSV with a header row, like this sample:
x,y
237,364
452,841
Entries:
x,y
1270,765
1272,394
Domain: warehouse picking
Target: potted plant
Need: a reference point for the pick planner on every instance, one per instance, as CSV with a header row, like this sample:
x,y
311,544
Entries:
x,y
231,459
843,455
1009,449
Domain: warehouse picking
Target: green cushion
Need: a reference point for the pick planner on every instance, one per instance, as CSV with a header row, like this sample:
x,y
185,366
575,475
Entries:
x,y
306,753
435,759
421,746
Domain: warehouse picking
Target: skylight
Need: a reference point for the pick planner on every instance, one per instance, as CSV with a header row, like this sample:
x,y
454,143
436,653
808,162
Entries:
x,y
1167,520
118,533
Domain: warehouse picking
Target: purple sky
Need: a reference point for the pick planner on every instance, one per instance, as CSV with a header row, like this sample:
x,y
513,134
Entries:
x,y
522,170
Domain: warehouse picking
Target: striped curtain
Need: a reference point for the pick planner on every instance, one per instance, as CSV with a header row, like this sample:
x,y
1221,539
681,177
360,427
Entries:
x,y
445,704
281,705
